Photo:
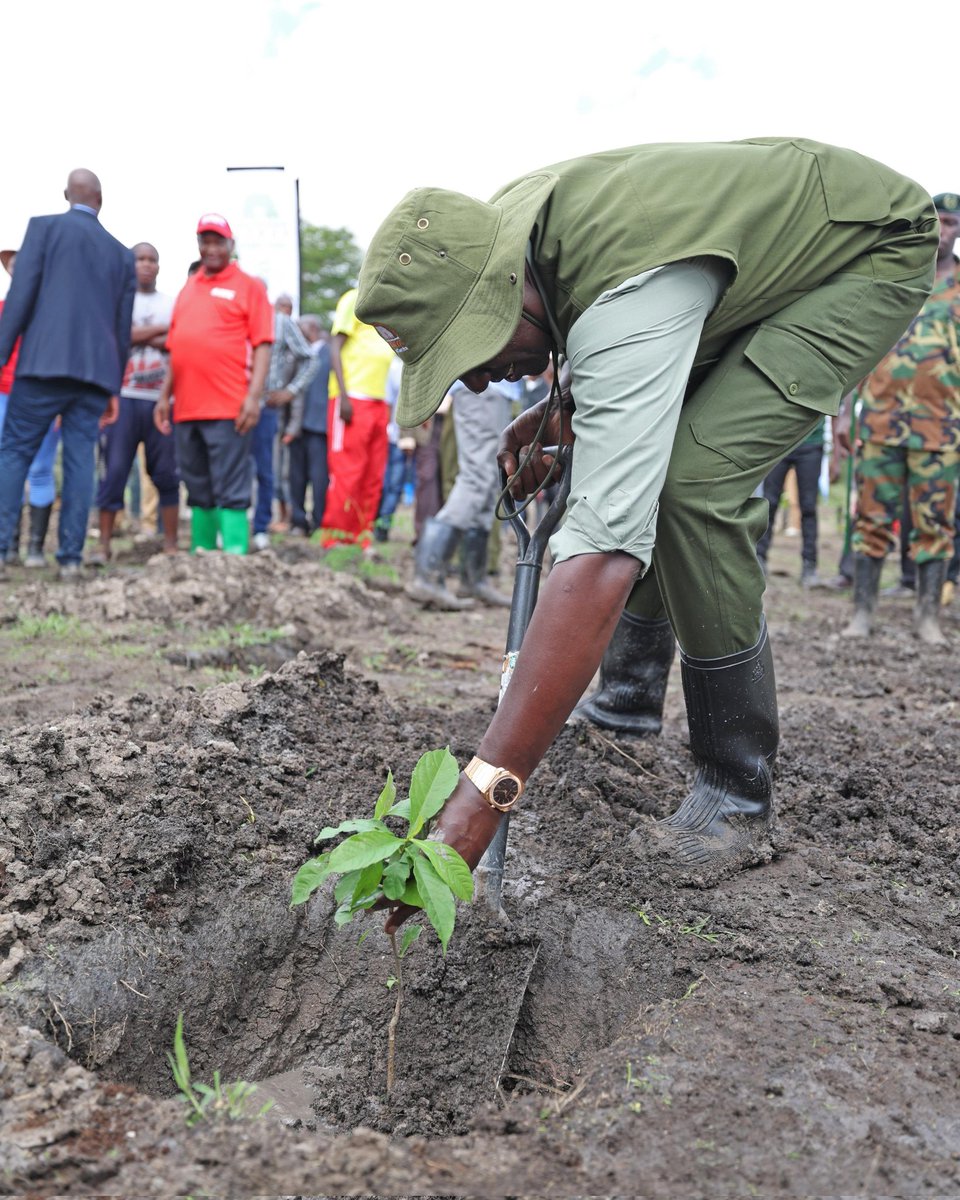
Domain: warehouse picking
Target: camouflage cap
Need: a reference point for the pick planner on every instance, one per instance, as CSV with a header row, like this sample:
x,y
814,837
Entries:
x,y
947,202
442,283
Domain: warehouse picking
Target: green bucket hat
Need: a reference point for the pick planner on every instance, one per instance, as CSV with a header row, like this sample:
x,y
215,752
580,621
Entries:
x,y
442,283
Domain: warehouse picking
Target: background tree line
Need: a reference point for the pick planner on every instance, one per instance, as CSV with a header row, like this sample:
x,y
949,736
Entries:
x,y
329,265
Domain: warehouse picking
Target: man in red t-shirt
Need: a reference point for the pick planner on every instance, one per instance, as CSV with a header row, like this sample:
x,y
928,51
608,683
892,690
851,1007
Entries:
x,y
219,342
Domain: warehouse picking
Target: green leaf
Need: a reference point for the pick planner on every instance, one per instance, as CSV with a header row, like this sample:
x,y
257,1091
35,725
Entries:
x,y
437,899
343,915
386,798
308,879
361,825
410,935
395,878
412,895
434,778
362,849
368,886
401,809
346,886
449,866
179,1061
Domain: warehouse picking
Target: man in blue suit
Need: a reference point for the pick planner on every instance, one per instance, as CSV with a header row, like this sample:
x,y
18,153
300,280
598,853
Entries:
x,y
71,299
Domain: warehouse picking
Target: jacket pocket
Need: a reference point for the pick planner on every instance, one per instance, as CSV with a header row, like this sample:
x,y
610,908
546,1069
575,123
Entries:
x,y
852,189
798,370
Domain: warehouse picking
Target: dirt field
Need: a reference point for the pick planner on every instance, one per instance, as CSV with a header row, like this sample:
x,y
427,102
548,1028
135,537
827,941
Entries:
x,y
175,733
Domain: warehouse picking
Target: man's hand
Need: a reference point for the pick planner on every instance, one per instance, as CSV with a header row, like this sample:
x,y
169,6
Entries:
x,y
161,415
516,441
110,413
467,823
248,415
346,409
289,437
279,398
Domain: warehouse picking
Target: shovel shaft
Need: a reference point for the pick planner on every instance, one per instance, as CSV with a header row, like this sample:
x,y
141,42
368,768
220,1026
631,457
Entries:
x,y
526,587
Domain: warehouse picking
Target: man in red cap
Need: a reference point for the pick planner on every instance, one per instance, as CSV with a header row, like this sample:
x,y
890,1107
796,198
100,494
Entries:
x,y
222,320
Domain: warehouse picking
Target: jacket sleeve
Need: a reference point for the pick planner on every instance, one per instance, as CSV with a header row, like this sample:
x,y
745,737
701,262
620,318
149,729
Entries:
x,y
124,308
24,287
307,364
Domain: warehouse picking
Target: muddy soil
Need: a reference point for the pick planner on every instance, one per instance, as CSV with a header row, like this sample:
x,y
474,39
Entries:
x,y
792,1031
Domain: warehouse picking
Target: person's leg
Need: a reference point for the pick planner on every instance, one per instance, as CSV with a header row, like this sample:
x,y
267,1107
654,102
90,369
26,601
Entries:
x,y
261,441
932,490
31,407
392,490
298,458
193,461
772,491
230,474
150,520
118,449
376,451
319,474
880,477
807,460
80,430
42,488
159,461
426,489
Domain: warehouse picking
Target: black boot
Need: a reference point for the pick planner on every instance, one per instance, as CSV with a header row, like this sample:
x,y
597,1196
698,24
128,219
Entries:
x,y
473,574
435,549
926,615
866,585
39,520
734,732
12,555
633,678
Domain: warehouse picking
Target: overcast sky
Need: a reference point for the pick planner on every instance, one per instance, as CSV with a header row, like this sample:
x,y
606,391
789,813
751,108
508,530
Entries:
x,y
362,101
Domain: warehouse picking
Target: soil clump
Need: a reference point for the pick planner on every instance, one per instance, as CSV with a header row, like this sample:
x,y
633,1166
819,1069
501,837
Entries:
x,y
793,1030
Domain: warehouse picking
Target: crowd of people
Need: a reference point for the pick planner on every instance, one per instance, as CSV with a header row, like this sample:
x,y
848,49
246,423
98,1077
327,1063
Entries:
x,y
477,326
264,423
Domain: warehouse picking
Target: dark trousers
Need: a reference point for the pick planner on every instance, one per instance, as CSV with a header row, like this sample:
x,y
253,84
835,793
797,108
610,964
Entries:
x,y
393,478
214,463
262,437
308,465
805,460
118,450
32,405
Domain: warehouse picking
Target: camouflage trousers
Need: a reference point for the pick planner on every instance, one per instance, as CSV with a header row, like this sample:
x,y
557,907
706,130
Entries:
x,y
930,480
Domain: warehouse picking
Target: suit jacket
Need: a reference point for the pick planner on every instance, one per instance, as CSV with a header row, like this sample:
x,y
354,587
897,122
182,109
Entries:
x,y
71,297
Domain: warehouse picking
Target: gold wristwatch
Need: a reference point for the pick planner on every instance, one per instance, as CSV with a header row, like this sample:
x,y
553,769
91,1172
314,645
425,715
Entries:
x,y
500,788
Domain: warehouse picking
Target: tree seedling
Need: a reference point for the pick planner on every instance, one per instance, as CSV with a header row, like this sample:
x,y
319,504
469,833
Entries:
x,y
204,1102
376,865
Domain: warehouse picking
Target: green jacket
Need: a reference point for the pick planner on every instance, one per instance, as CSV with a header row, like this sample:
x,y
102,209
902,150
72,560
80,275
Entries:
x,y
786,213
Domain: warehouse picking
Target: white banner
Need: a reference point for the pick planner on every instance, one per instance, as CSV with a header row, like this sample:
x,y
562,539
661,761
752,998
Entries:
x,y
261,206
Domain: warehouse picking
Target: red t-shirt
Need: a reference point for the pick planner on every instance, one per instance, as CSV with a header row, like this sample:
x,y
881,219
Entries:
x,y
217,320
10,367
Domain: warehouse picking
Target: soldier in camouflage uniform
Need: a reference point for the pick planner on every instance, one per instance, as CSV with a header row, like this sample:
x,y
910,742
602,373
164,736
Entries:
x,y
910,438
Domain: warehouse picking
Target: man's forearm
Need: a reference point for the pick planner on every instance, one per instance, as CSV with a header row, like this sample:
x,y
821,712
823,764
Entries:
x,y
574,620
258,372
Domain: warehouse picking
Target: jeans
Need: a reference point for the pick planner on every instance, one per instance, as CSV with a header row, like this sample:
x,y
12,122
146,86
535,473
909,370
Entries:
x,y
33,403
261,447
40,479
393,478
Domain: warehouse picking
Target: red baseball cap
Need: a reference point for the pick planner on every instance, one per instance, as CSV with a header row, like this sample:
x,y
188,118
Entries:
x,y
214,223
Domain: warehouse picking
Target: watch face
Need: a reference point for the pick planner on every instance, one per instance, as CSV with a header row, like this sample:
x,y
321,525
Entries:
x,y
506,790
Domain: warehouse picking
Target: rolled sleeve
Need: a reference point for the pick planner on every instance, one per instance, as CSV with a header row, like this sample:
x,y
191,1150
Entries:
x,y
630,356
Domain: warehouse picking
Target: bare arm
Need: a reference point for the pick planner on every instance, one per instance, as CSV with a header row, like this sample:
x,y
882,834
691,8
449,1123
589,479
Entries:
x,y
336,366
249,413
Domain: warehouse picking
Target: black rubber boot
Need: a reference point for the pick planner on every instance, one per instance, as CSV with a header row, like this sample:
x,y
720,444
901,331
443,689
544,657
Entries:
x,y
633,678
435,549
12,556
866,585
734,732
39,521
926,614
473,574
